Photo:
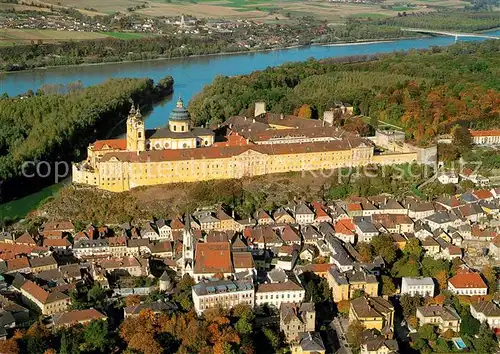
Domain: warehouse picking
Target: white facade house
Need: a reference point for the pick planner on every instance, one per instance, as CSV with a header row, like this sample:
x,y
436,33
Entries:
x,y
274,294
486,311
448,177
225,293
303,215
467,284
485,137
422,286
164,230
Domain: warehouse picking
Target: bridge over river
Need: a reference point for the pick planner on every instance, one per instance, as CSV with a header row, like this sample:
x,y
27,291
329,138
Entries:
x,y
452,34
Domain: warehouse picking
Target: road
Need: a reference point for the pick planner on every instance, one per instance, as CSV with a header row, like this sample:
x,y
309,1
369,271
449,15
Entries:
x,y
341,329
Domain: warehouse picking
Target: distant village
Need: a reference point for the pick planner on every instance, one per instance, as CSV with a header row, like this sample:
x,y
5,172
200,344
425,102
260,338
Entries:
x,y
261,261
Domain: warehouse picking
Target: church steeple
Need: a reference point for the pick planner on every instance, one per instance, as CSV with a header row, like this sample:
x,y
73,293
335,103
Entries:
x,y
187,247
136,134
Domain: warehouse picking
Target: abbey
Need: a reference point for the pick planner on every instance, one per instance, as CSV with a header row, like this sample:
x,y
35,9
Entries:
x,y
242,146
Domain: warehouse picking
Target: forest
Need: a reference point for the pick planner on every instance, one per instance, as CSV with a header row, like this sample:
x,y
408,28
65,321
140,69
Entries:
x,y
58,122
24,57
425,92
463,21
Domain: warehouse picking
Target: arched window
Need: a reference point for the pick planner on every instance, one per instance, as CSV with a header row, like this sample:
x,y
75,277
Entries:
x,y
139,135
182,128
175,128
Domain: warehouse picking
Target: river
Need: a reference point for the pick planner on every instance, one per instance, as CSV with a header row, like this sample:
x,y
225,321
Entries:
x,y
191,74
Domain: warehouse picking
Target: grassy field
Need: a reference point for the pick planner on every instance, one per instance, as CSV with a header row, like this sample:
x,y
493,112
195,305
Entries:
x,y
258,9
12,36
21,207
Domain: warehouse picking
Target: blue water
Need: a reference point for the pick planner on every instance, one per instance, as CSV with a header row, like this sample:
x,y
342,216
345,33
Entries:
x,y
191,74
459,343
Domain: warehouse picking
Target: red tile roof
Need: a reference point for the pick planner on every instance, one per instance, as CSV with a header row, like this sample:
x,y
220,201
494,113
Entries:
x,y
176,224
35,291
279,287
492,132
353,206
344,226
317,268
290,234
62,242
115,144
18,263
467,280
483,194
243,260
214,152
213,257
25,239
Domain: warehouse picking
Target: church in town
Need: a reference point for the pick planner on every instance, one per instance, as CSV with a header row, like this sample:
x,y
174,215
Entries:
x,y
240,147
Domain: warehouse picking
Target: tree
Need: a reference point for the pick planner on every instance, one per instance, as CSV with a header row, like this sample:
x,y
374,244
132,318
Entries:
x,y
469,326
96,297
132,300
406,266
343,307
365,251
145,343
410,304
442,346
388,287
490,276
383,245
427,332
442,279
354,332
461,137
95,335
413,248
272,337
486,341
9,346
305,111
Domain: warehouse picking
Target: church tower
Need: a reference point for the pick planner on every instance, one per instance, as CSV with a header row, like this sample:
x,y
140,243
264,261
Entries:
x,y
187,248
136,134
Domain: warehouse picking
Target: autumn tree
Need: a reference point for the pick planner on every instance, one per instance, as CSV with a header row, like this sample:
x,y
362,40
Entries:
x,y
343,307
388,287
305,111
132,300
354,332
409,304
365,251
9,346
490,276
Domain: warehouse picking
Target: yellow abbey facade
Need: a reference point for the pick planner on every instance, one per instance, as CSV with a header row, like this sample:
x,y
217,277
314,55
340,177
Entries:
x,y
242,146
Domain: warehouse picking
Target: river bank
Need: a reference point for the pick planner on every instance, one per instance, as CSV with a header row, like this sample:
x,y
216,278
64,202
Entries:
x,y
241,52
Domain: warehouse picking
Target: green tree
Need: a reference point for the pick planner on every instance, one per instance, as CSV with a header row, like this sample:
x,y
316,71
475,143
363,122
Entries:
x,y
413,248
486,341
406,266
442,346
469,326
461,137
409,304
96,297
383,245
388,287
427,332
272,337
95,335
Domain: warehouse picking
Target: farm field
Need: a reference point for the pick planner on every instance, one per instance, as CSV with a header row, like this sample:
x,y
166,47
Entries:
x,y
9,36
261,10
